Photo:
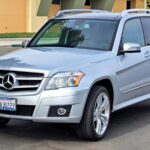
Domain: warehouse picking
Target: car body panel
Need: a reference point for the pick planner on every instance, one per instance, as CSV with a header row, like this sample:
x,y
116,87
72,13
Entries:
x,y
128,73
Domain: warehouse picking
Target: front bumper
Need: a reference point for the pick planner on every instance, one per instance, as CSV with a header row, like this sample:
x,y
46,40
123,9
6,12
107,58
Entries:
x,y
46,99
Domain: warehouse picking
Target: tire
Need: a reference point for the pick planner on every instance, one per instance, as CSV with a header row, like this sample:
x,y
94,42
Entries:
x,y
96,117
3,121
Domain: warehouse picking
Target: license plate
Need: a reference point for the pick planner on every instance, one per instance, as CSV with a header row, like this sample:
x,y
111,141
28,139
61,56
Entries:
x,y
7,104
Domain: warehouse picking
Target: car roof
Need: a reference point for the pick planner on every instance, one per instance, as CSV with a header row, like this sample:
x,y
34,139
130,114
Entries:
x,y
101,16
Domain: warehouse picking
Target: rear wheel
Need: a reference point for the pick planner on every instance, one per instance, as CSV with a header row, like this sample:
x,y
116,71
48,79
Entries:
x,y
96,117
3,121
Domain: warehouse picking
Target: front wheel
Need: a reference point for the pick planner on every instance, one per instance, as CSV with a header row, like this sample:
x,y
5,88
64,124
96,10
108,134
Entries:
x,y
96,116
3,121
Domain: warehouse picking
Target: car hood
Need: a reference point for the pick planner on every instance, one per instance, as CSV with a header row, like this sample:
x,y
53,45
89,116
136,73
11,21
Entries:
x,y
52,59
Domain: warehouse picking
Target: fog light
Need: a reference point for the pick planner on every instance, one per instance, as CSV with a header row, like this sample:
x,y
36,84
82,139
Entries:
x,y
61,111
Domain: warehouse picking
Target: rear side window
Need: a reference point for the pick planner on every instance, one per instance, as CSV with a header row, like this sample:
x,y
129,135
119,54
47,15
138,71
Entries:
x,y
133,32
146,27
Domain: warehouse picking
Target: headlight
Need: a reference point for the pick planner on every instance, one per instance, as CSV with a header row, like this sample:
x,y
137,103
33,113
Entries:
x,y
65,79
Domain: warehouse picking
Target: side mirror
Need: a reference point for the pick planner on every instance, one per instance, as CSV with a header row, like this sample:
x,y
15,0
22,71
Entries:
x,y
25,43
131,48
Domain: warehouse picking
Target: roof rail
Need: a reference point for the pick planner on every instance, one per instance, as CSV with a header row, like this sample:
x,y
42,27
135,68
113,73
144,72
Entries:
x,y
125,12
78,11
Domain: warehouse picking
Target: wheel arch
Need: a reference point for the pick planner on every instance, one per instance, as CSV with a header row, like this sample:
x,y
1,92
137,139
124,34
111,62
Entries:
x,y
108,84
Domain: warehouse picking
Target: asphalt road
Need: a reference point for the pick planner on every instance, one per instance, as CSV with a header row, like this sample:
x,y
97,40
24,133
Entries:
x,y
129,130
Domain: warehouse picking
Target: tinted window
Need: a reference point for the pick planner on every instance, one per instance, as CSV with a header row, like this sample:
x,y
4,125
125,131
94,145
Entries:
x,y
146,27
56,2
87,34
133,32
129,4
88,2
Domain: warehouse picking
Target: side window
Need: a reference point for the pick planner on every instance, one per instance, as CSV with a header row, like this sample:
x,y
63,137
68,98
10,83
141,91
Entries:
x,y
146,27
133,32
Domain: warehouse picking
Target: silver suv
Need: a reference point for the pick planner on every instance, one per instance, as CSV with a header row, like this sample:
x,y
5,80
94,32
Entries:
x,y
81,66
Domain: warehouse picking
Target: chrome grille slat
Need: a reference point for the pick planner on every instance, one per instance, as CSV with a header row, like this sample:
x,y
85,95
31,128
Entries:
x,y
28,78
27,86
25,81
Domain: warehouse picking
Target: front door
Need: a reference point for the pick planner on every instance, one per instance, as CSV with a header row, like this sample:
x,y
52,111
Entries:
x,y
134,75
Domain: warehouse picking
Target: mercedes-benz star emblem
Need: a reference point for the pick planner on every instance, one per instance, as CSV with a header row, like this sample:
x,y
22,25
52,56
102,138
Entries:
x,y
9,81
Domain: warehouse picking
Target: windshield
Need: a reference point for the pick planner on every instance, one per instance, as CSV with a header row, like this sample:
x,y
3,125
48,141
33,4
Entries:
x,y
76,33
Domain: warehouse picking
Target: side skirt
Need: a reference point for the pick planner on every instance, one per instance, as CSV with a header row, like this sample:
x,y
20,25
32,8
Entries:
x,y
131,102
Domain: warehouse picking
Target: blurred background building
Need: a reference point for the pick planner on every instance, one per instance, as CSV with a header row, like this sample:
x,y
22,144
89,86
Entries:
x,y
30,15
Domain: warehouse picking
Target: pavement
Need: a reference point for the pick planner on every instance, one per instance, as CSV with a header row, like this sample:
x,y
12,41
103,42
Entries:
x,y
11,41
129,130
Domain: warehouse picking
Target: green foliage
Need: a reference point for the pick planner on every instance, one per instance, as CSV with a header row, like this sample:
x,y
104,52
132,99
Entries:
x,y
16,35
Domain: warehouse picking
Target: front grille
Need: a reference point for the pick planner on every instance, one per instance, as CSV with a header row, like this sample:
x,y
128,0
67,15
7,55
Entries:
x,y
21,73
24,81
22,110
